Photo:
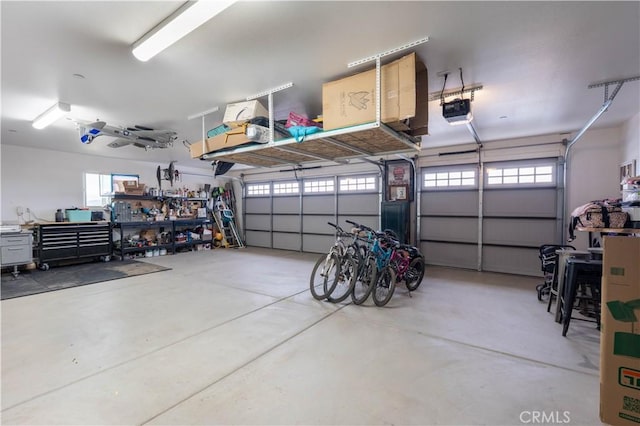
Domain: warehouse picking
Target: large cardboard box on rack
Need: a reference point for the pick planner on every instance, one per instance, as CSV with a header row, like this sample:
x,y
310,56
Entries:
x,y
620,335
240,112
352,100
229,139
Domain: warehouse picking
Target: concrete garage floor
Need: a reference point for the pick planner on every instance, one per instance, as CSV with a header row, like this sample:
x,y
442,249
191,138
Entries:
x,y
234,337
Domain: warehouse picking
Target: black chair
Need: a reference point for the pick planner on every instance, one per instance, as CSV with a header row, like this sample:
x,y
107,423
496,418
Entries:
x,y
548,264
582,291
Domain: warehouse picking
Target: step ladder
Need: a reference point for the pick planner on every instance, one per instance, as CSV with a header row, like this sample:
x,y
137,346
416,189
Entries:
x,y
225,221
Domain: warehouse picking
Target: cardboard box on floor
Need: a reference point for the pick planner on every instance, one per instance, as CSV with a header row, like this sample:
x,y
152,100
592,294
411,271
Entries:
x,y
620,335
231,138
352,100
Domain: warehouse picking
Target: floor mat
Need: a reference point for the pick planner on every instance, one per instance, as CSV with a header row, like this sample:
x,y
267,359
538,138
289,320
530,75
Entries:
x,y
58,278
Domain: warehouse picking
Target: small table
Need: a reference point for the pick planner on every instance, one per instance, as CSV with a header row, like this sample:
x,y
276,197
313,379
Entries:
x,y
602,231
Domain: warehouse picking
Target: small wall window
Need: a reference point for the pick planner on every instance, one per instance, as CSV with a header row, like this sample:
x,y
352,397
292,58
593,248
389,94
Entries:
x,y
285,188
257,189
318,186
526,175
449,179
97,189
361,183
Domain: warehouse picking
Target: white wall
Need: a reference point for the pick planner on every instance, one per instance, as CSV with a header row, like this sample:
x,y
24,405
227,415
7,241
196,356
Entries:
x,y
45,180
593,172
631,142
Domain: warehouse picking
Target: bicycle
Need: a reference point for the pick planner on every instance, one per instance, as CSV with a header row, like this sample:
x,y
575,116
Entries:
x,y
396,262
376,271
408,264
367,272
338,266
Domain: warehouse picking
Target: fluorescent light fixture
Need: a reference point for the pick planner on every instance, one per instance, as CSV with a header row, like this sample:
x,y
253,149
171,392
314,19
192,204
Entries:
x,y
185,19
52,114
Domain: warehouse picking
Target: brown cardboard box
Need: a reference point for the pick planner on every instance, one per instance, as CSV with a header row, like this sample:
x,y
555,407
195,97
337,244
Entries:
x,y
352,100
133,188
620,336
231,138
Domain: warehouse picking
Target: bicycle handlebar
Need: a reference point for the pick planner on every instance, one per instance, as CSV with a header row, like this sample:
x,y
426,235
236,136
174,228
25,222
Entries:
x,y
363,227
338,228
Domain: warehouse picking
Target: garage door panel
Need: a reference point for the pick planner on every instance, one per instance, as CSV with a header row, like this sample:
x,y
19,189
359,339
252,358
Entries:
x,y
318,204
289,223
511,260
257,205
520,202
286,205
448,254
358,204
286,241
258,239
317,243
258,222
519,232
449,229
449,203
317,225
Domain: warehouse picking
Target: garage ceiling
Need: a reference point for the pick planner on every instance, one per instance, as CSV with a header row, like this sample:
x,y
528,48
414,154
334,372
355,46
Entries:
x,y
533,59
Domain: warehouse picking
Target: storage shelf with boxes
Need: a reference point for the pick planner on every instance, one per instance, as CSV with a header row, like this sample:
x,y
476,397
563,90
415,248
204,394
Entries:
x,y
350,129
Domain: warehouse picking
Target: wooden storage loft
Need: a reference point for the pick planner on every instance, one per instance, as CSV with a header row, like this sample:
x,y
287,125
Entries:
x,y
338,145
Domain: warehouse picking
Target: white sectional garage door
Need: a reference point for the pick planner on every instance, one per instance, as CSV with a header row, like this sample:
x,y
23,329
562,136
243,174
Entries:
x,y
293,215
496,224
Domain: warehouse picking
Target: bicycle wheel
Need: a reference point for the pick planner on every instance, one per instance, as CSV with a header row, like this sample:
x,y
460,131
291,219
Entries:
x,y
414,274
324,268
344,281
365,281
385,286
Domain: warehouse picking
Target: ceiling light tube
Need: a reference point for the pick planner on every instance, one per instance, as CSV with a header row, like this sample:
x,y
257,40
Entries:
x,y
52,114
185,19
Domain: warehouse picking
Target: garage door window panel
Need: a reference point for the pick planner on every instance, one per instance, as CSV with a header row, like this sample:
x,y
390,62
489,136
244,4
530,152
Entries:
x,y
319,186
358,184
258,189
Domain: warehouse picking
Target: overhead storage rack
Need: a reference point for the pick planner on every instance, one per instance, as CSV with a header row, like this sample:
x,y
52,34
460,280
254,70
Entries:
x,y
338,145
371,139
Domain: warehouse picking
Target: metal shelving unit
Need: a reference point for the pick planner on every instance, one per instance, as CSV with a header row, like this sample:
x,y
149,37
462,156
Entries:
x,y
121,248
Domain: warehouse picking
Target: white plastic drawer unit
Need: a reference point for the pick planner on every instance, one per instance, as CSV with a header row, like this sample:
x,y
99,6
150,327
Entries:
x,y
16,249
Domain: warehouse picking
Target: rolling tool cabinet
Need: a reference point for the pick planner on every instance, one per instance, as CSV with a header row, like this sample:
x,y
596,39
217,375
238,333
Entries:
x,y
72,241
